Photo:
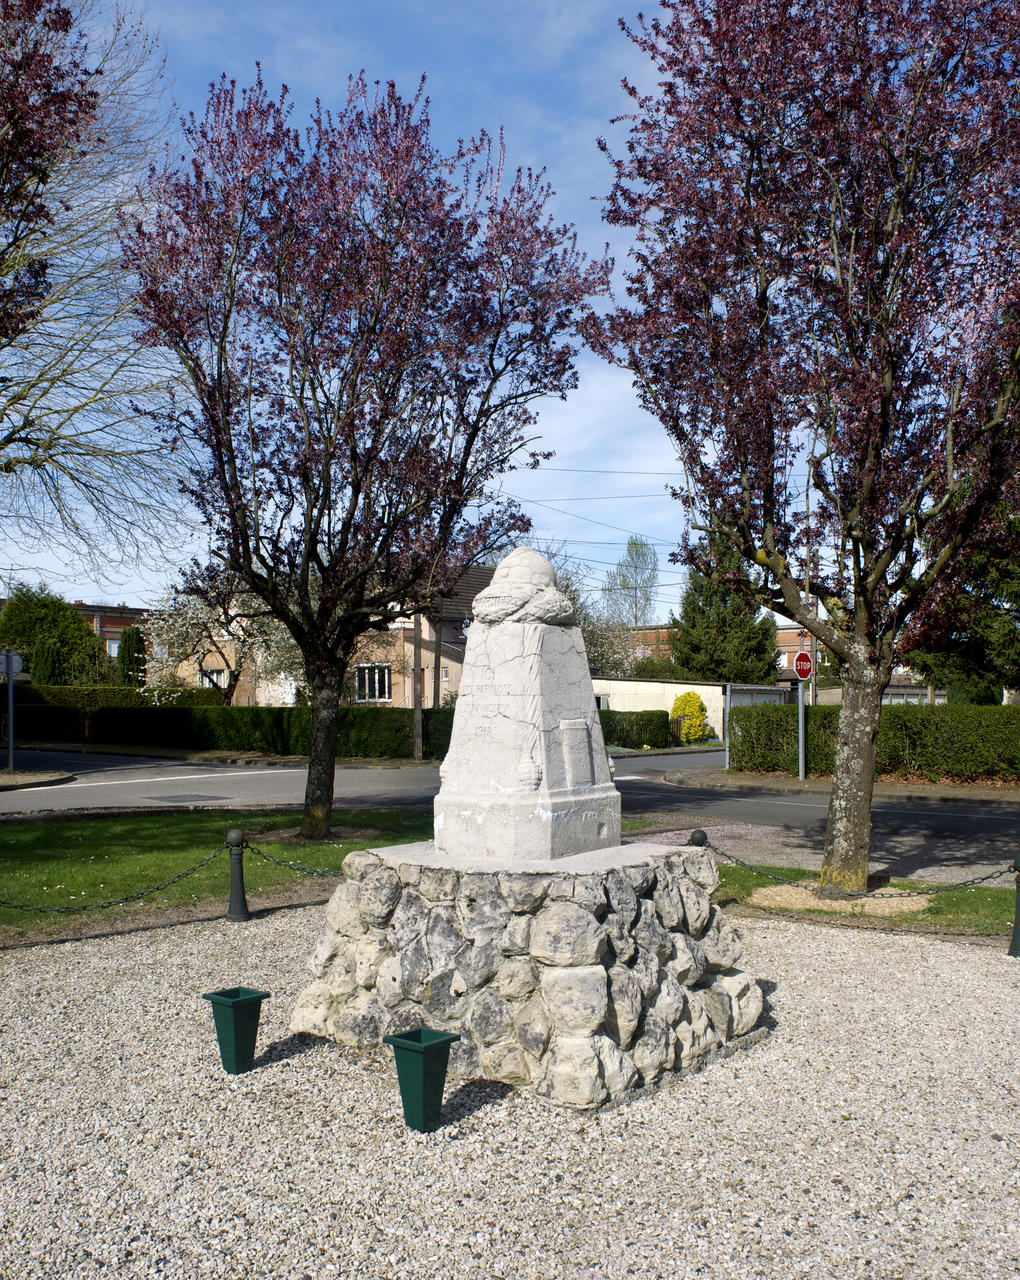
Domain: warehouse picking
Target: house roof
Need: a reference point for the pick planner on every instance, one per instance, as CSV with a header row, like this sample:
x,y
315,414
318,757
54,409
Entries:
x,y
457,605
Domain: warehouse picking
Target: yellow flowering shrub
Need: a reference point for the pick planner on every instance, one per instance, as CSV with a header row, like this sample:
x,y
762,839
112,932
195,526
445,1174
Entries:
x,y
691,712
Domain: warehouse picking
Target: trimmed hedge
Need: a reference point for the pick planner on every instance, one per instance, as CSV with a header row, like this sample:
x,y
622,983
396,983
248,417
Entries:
x,y
963,743
635,729
366,731
93,697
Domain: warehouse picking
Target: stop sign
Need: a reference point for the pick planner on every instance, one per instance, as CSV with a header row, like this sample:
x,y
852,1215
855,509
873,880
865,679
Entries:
x,y
802,665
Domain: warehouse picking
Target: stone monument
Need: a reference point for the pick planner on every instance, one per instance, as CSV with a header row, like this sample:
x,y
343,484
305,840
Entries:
x,y
569,962
526,776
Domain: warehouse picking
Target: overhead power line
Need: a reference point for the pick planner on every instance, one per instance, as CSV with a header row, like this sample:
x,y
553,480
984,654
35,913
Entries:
x,y
596,471
532,502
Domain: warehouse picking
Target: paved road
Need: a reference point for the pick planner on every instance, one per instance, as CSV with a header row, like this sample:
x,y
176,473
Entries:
x,y
103,782
909,836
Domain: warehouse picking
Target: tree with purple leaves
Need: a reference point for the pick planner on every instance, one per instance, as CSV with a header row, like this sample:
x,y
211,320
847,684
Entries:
x,y
48,102
823,314
363,325
80,110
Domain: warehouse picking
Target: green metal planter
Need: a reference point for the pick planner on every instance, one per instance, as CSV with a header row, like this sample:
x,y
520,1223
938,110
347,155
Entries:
x,y
422,1056
236,1013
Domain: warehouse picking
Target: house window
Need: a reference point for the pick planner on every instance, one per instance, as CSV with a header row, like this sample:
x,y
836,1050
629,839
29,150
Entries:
x,y
445,672
217,677
372,684
111,647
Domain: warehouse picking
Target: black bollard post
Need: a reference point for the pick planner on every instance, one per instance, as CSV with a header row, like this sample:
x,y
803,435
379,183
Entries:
x,y
1014,946
238,908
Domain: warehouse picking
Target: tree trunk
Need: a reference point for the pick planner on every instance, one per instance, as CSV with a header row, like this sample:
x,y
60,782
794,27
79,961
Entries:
x,y
416,688
318,815
848,835
437,675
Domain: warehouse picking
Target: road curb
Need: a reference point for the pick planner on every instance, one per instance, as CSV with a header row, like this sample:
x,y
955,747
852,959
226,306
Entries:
x,y
883,791
52,780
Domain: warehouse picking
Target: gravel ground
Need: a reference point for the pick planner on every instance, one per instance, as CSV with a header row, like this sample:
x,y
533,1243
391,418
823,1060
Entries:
x,y
875,1132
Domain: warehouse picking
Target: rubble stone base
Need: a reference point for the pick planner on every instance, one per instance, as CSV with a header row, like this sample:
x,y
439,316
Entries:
x,y
584,979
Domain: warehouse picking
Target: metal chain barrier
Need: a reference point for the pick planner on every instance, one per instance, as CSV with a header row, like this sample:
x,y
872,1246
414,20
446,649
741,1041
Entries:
x,y
294,866
117,902
845,893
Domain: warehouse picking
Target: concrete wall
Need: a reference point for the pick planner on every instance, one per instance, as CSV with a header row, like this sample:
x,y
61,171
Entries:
x,y
657,695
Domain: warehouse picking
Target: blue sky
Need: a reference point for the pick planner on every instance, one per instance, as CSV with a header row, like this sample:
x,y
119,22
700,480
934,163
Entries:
x,y
547,73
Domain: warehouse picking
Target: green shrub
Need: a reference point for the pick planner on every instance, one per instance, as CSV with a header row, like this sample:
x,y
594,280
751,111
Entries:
x,y
635,729
436,729
365,732
130,664
962,743
48,662
92,697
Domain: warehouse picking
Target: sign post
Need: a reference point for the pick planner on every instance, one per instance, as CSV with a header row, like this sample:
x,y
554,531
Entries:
x,y
11,666
802,666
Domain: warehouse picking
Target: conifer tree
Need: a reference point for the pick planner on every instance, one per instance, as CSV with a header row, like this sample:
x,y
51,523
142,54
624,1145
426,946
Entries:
x,y
718,636
131,657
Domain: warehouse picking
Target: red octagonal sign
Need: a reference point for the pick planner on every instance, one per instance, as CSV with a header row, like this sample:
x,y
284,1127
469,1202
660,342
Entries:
x,y
802,665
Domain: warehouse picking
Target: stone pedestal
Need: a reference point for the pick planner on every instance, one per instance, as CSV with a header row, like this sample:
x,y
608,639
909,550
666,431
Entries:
x,y
582,979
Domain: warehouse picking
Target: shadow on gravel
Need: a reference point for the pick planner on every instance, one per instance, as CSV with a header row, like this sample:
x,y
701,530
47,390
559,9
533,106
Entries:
x,y
289,1047
768,1017
472,1096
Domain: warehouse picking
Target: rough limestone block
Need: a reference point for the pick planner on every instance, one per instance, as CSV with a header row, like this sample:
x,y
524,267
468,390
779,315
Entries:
x,y
481,908
688,962
697,905
477,963
533,1026
329,943
524,893
443,939
408,920
312,1011
342,913
621,940
491,1017
720,943
516,940
618,1071
622,898
369,953
357,864
565,934
506,1061
389,982
574,1073
380,892
651,1050
577,998
700,866
624,1006
438,884
746,999
516,978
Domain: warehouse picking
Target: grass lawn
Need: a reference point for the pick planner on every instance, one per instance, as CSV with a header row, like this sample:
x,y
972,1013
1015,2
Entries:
x,y
97,859
987,912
